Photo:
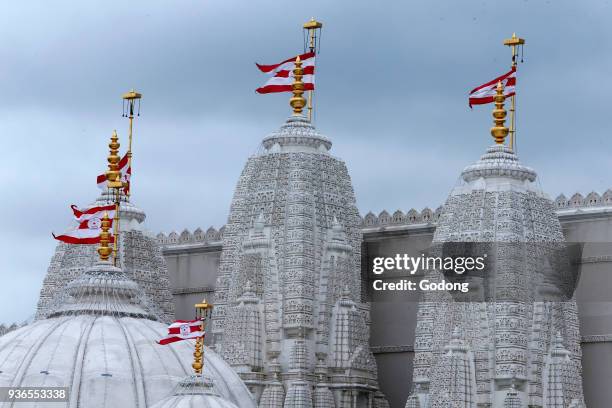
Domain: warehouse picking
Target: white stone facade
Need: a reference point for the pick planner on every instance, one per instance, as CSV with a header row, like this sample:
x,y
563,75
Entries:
x,y
288,314
519,350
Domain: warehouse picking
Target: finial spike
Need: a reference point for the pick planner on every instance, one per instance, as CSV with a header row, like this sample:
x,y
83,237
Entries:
x,y
297,102
499,131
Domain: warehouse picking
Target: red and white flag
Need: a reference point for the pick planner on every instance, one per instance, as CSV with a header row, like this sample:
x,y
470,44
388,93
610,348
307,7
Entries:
x,y
89,225
183,330
282,74
126,173
485,93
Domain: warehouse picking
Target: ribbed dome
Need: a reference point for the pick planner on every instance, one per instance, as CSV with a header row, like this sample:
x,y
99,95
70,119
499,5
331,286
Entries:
x,y
100,341
107,361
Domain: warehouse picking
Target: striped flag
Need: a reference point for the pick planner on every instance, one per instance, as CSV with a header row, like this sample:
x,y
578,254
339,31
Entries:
x,y
282,74
125,175
89,225
183,330
485,93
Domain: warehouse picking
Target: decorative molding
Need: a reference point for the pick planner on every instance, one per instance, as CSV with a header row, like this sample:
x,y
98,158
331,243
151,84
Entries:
x,y
595,259
188,291
596,338
400,348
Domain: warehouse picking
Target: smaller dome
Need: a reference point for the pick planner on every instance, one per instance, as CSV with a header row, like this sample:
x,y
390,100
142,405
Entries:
x,y
297,134
195,391
498,161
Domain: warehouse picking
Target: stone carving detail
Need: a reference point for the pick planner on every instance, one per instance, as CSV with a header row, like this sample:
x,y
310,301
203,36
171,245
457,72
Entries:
x,y
299,395
244,334
560,373
273,395
294,233
506,353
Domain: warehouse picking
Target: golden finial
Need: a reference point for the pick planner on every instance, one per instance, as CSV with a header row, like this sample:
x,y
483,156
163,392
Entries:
x,y
499,131
297,102
198,356
104,250
203,311
113,175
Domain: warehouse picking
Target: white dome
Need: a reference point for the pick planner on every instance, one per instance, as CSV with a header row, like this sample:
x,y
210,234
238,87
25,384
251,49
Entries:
x,y
107,362
100,341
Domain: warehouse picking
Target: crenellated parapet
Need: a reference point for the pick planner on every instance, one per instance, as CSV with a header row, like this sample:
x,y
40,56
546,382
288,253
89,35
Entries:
x,y
593,199
212,236
412,218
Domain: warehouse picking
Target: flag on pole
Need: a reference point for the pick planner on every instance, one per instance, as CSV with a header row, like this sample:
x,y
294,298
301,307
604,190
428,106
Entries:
x,y
126,173
183,330
282,74
486,92
89,225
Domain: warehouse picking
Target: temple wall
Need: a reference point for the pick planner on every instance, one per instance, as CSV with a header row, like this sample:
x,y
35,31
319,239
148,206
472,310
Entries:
x,y
193,262
193,272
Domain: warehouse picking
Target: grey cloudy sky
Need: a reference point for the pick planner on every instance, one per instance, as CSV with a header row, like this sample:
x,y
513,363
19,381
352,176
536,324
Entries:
x,y
392,83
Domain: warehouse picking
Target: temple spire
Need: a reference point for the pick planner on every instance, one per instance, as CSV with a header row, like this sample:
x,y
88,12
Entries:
x,y
499,131
297,101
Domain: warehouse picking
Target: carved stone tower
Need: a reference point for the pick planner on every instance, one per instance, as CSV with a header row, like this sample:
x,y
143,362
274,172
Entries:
x,y
514,341
288,314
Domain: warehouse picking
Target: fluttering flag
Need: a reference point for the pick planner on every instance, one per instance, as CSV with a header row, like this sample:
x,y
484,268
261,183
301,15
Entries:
x,y
89,225
485,93
282,74
126,173
183,330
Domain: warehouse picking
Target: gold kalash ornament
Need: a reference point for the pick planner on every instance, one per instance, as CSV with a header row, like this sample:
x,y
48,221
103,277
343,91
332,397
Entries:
x,y
499,131
104,250
203,312
297,101
114,183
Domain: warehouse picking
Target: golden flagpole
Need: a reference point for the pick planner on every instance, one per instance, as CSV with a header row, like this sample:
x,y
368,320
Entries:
x,y
130,99
312,26
514,42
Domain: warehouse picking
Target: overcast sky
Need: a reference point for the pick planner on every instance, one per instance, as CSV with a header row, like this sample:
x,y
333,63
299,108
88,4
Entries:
x,y
392,80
